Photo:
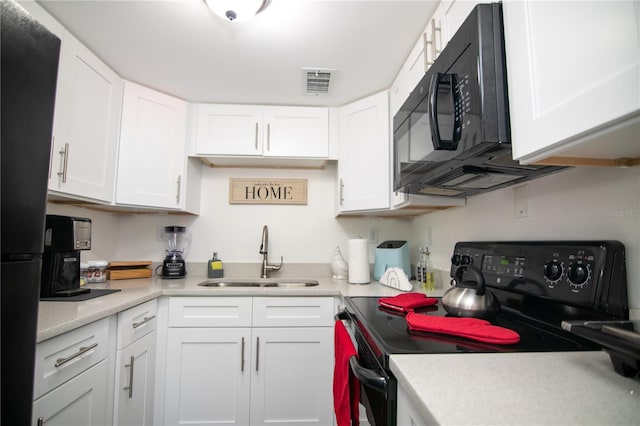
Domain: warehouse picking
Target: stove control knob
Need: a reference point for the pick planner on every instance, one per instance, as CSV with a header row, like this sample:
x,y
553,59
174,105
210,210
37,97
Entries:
x,y
466,260
455,260
553,270
578,274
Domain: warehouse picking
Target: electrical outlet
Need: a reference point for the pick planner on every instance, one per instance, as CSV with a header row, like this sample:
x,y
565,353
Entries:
x,y
161,234
373,235
521,201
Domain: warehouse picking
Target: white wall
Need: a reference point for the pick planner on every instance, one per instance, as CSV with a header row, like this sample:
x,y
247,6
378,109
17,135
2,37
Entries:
x,y
584,203
579,204
301,234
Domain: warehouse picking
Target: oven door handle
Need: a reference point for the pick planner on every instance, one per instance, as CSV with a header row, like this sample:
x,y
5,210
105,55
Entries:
x,y
342,315
368,377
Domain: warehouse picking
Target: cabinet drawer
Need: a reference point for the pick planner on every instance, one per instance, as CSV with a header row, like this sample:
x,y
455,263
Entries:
x,y
293,311
65,356
210,312
136,322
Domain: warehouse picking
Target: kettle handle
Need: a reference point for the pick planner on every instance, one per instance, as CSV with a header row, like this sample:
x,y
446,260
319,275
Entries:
x,y
479,278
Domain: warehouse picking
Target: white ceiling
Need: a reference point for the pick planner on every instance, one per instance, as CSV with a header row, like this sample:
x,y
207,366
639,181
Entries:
x,y
180,47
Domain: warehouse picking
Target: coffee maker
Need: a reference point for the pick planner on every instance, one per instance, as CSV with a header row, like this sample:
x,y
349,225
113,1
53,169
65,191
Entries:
x,y
178,241
64,238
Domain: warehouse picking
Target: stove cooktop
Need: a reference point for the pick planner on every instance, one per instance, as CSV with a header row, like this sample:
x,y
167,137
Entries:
x,y
386,333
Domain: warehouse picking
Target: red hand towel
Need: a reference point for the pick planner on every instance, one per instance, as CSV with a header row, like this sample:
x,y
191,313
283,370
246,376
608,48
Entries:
x,y
471,328
346,388
407,302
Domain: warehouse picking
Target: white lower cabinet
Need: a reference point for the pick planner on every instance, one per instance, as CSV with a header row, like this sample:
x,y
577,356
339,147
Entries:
x,y
273,365
135,366
407,413
80,401
73,385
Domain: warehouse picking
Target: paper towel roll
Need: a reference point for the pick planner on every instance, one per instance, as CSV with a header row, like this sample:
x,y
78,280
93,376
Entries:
x,y
359,261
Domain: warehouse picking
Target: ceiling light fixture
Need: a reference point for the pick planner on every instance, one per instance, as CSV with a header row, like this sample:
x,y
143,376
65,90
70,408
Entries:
x,y
236,10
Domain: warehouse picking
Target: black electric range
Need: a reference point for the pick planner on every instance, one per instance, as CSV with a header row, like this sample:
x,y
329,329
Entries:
x,y
539,284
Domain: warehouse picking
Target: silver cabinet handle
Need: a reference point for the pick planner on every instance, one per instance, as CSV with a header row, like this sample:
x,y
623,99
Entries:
x,y
341,192
178,182
82,350
130,367
434,47
242,356
427,43
256,135
65,161
268,137
257,352
143,322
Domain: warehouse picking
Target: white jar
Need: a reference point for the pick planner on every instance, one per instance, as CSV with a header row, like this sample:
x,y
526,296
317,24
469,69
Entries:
x,y
97,272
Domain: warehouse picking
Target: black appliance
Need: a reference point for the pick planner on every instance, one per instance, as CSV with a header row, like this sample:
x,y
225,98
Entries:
x,y
65,237
538,284
452,135
620,339
29,69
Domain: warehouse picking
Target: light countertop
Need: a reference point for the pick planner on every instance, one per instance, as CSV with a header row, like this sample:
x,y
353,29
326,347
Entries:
x,y
55,318
559,388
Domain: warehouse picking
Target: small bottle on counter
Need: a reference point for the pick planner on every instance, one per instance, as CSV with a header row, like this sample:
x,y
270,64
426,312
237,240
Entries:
x,y
429,276
420,265
214,267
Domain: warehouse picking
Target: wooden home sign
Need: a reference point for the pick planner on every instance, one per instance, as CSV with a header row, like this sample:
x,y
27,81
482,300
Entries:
x,y
267,191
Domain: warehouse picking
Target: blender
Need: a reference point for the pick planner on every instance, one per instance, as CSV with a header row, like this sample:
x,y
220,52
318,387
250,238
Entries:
x,y
178,241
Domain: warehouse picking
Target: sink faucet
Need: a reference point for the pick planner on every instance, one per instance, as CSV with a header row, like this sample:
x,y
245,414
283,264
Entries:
x,y
264,251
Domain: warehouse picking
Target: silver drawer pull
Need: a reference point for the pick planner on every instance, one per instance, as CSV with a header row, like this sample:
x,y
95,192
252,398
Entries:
x,y
143,322
82,350
130,367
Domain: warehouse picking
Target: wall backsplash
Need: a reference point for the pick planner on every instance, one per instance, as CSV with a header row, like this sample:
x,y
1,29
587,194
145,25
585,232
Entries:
x,y
584,203
577,204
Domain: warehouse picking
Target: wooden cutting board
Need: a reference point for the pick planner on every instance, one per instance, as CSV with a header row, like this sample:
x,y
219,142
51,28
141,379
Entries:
x,y
126,270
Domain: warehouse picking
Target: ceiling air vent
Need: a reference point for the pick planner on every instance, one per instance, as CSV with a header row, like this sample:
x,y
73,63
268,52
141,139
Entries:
x,y
317,80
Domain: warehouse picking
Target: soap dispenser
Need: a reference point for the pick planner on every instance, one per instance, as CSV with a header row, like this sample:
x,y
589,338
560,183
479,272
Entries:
x,y
214,267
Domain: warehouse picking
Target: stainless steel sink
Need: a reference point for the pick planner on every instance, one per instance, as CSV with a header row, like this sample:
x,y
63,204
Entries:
x,y
259,282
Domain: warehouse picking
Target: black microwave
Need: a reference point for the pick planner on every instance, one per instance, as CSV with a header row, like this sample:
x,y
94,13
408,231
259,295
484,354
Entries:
x,y
452,135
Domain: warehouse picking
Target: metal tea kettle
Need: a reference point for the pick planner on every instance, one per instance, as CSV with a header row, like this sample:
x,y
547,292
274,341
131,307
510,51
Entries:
x,y
469,298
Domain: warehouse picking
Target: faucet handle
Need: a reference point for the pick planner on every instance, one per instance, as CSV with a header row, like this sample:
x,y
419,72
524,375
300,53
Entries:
x,y
276,267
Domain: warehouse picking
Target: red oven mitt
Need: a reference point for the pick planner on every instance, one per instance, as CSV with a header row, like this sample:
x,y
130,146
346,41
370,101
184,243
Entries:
x,y
346,387
406,302
471,328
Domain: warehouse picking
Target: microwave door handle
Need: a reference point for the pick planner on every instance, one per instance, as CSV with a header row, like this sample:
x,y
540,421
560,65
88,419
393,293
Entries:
x,y
368,377
438,143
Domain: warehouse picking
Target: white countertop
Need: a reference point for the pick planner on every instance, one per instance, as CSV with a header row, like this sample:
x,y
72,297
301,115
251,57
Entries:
x,y
55,318
558,388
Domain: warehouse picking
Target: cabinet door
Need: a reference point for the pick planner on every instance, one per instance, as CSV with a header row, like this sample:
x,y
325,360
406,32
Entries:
x,y
407,413
292,375
364,160
229,130
208,375
448,17
86,122
570,77
152,158
80,401
416,66
296,132
134,386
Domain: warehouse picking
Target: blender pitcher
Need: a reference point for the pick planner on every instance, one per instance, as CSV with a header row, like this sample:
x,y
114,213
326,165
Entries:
x,y
178,241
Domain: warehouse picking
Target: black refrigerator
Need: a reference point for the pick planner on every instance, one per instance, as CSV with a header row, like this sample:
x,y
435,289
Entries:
x,y
29,70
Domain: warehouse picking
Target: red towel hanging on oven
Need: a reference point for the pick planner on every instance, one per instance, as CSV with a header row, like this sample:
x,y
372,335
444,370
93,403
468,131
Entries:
x,y
346,388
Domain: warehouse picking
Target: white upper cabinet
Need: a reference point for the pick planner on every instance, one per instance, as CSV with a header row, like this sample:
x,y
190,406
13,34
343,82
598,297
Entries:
x,y
363,164
574,78
448,17
152,157
86,121
270,131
